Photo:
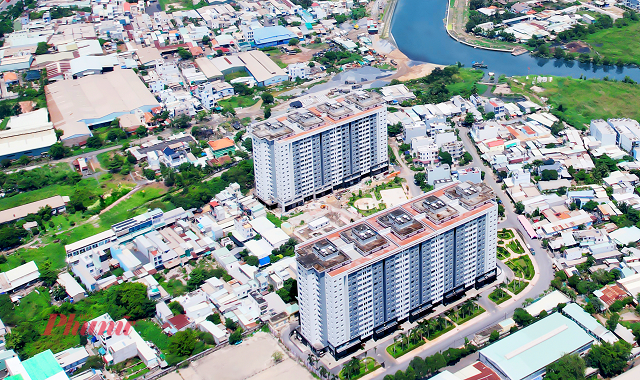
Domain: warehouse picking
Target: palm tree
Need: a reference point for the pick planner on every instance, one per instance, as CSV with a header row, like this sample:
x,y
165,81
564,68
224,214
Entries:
x,y
441,322
334,377
421,327
352,367
323,372
312,360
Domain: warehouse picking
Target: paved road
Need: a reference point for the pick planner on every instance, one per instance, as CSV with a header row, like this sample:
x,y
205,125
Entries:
x,y
164,134
405,171
494,314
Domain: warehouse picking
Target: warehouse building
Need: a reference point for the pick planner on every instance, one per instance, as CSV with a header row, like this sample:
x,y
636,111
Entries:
x,y
57,204
526,354
262,68
29,134
272,36
78,105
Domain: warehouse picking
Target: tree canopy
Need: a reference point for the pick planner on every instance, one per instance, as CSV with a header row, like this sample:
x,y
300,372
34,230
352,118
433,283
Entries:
x,y
610,359
568,367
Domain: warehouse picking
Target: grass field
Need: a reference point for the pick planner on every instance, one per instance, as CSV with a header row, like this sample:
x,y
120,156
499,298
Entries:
x,y
466,78
35,195
367,365
238,101
459,319
52,247
516,287
151,332
279,62
234,75
499,296
522,265
617,43
130,207
584,100
503,253
401,349
274,219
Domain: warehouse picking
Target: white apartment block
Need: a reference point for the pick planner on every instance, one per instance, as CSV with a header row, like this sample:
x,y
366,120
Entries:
x,y
364,279
603,132
310,152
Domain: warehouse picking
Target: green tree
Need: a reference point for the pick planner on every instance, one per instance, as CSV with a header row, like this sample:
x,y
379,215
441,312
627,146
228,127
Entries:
x,y
549,175
590,206
230,324
294,42
522,317
519,208
469,118
176,308
214,318
445,157
394,129
184,53
129,299
351,368
235,336
267,98
289,291
94,142
252,260
248,144
58,151
24,160
612,322
141,131
489,116
183,343
495,335
48,275
267,112
568,367
42,48
610,359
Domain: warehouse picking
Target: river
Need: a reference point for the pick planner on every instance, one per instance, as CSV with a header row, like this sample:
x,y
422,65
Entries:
x,y
419,31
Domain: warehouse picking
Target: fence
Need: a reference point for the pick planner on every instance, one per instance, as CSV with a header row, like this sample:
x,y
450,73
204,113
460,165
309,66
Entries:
x,y
186,362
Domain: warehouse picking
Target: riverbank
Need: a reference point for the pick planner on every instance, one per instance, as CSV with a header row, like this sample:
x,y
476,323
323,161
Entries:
x,y
387,19
419,32
455,22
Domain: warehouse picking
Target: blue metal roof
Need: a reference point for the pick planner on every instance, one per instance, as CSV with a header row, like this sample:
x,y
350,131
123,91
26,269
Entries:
x,y
536,346
272,34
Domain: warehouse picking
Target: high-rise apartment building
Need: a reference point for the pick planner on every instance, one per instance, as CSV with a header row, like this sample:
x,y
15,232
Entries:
x,y
311,151
364,279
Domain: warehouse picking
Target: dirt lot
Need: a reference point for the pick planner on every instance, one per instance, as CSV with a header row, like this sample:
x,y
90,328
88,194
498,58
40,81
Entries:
x,y
251,359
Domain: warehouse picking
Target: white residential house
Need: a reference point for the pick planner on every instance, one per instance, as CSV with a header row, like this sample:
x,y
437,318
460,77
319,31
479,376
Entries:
x,y
71,286
297,70
120,347
208,93
496,106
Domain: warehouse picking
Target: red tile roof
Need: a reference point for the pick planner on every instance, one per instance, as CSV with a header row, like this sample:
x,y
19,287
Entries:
x,y
498,142
484,373
612,293
221,144
180,321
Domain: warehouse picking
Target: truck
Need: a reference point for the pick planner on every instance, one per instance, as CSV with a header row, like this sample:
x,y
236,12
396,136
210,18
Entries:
x,y
531,249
